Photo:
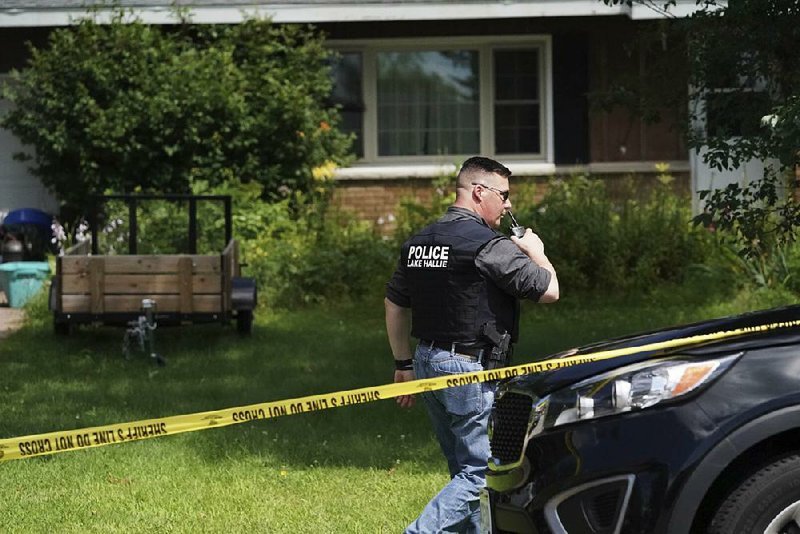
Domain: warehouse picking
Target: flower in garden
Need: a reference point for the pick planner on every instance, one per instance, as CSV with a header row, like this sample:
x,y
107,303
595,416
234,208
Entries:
x,y
61,237
324,172
769,120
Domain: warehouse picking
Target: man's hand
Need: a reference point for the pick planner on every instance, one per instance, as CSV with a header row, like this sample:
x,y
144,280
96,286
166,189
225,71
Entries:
x,y
405,401
531,244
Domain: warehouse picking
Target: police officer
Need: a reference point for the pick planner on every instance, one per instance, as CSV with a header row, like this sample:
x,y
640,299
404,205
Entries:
x,y
456,279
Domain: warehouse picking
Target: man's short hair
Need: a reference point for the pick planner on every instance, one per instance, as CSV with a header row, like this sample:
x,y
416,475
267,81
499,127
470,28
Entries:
x,y
476,167
480,164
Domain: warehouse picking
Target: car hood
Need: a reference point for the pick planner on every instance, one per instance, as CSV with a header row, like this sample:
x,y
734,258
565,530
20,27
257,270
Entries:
x,y
543,383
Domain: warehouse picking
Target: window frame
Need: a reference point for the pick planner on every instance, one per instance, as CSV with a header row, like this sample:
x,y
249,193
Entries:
x,y
699,99
485,46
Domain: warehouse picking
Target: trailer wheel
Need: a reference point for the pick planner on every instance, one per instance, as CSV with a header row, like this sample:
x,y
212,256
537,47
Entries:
x,y
244,322
62,328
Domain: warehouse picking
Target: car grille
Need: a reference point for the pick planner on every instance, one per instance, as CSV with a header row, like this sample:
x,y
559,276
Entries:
x,y
510,417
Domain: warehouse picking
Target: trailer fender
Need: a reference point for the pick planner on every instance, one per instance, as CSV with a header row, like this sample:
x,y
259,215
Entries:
x,y
244,294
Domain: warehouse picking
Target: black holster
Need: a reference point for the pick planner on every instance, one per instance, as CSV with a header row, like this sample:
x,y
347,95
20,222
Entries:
x,y
500,355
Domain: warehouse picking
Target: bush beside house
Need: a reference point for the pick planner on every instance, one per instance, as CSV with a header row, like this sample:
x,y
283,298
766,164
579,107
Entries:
x,y
127,106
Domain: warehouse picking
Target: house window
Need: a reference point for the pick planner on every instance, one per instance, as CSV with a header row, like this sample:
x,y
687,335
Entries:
x,y
735,101
347,71
441,99
735,113
428,103
517,110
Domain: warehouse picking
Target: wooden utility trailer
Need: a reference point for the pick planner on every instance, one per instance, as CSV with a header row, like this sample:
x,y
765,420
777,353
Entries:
x,y
186,288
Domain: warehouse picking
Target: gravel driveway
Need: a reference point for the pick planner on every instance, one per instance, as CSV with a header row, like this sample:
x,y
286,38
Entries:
x,y
10,318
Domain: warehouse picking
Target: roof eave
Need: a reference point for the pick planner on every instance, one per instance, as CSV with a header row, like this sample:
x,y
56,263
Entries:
x,y
363,12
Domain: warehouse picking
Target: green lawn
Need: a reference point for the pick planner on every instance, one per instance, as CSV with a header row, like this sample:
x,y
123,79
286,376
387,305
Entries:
x,y
366,468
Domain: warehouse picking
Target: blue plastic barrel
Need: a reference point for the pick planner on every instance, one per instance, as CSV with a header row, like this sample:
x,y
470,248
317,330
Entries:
x,y
20,280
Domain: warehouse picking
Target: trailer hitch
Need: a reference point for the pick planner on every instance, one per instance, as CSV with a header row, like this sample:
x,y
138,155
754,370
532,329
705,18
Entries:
x,y
142,333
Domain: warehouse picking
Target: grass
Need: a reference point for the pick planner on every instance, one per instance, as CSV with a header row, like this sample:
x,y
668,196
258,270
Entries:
x,y
366,468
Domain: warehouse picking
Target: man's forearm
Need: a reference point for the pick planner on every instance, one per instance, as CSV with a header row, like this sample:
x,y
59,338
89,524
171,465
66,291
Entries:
x,y
551,294
398,329
532,246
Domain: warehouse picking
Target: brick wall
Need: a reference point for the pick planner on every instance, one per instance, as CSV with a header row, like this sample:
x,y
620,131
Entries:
x,y
377,200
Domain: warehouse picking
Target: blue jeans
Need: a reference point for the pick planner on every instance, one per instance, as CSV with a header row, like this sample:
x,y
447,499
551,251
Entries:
x,y
459,417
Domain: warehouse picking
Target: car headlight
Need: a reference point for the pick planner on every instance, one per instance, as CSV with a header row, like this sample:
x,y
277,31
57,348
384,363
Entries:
x,y
630,388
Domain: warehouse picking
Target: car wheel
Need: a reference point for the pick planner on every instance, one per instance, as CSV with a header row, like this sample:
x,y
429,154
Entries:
x,y
768,501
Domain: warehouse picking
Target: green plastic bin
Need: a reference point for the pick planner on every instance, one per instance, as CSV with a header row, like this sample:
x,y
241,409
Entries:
x,y
20,280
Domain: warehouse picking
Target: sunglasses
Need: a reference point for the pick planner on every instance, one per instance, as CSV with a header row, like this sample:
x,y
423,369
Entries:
x,y
503,194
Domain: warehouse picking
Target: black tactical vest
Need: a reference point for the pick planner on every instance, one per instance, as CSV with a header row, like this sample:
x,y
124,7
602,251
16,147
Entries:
x,y
450,299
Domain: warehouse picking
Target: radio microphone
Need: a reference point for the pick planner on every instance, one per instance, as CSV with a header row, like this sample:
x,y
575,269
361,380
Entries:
x,y
516,229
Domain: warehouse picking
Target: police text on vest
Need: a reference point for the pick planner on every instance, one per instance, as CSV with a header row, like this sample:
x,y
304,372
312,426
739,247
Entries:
x,y
428,256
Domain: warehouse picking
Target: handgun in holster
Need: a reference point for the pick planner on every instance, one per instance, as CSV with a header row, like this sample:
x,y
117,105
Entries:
x,y
500,354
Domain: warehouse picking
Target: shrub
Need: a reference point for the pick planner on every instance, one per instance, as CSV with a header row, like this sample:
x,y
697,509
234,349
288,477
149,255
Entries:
x,y
296,263
628,241
126,105
597,242
414,214
755,226
302,251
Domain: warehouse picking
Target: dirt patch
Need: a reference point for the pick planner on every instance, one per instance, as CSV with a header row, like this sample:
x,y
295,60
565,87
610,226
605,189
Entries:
x,y
11,319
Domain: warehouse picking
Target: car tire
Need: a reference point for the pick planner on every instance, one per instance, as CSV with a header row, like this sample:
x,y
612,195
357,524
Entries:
x,y
768,501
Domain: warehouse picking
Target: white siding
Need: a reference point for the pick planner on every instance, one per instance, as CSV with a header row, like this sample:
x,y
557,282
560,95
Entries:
x,y
18,188
704,177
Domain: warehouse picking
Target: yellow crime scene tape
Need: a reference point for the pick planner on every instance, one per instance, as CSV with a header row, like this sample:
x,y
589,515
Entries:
x,y
97,436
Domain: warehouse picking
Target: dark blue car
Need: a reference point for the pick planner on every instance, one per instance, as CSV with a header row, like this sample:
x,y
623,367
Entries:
x,y
704,437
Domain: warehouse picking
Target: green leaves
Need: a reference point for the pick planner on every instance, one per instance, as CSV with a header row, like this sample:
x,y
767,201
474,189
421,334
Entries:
x,y
121,106
626,239
740,63
758,221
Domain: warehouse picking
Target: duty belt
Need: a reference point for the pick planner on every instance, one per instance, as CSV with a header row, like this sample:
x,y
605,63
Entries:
x,y
474,352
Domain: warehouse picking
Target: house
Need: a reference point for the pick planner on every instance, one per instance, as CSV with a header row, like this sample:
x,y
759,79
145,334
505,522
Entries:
x,y
424,84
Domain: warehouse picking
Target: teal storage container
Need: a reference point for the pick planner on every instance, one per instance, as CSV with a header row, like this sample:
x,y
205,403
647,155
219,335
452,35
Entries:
x,y
20,280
